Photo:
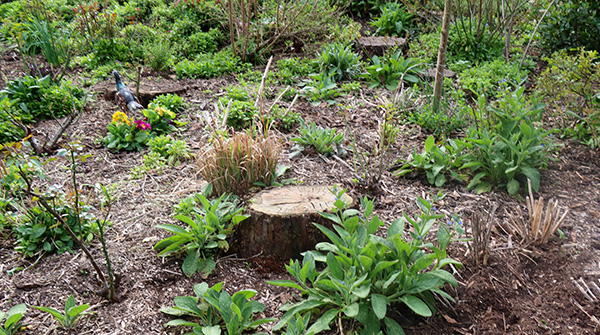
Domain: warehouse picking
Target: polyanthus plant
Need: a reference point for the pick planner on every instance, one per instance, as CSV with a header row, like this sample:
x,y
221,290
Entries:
x,y
160,119
125,133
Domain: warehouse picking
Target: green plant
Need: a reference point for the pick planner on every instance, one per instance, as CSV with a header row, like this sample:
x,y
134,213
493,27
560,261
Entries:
x,y
159,54
290,69
208,66
204,236
213,306
509,147
285,120
161,120
123,134
241,113
473,42
71,315
394,20
365,273
152,161
339,61
236,164
320,87
13,323
441,123
298,325
437,161
491,77
391,68
322,139
570,84
9,132
572,24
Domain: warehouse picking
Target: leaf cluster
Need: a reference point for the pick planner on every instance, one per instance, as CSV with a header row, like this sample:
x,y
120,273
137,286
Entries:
x,y
394,20
204,236
13,319
216,308
71,315
390,69
322,139
365,273
339,61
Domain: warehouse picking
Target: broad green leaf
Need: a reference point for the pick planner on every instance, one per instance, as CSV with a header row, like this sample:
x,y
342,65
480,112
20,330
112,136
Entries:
x,y
188,304
58,315
323,322
190,264
429,143
392,327
173,229
351,311
416,304
213,330
180,322
397,227
512,187
285,283
379,304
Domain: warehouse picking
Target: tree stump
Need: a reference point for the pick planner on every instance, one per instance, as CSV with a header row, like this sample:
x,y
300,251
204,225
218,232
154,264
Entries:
x,y
281,222
378,45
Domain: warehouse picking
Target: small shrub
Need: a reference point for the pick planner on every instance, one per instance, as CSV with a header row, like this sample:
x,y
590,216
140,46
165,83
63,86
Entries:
x,y
214,306
159,54
321,87
492,77
285,120
172,102
387,71
173,151
572,24
570,84
339,61
440,123
289,70
509,148
161,120
208,66
437,162
469,42
234,165
365,274
393,21
322,139
204,236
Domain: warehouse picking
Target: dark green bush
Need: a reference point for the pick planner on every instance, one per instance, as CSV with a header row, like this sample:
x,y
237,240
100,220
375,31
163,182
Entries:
x,y
209,65
468,41
393,21
339,61
572,24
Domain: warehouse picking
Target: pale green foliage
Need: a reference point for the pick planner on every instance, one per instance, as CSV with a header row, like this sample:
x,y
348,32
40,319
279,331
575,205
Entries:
x,y
71,315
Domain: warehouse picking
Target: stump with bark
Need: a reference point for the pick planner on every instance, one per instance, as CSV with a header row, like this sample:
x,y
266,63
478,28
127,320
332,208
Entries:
x,y
281,222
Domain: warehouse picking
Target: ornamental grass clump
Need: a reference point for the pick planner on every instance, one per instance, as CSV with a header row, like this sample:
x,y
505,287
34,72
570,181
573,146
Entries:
x,y
234,165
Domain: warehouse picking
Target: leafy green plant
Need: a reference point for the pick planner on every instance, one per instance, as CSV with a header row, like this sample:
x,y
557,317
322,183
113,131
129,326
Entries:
x,y
322,139
509,148
152,162
473,42
13,323
241,114
213,306
71,315
339,61
203,237
365,273
161,120
441,123
159,55
491,77
320,87
290,69
234,165
437,162
208,66
171,102
123,134
394,20
285,120
389,69
572,24
569,84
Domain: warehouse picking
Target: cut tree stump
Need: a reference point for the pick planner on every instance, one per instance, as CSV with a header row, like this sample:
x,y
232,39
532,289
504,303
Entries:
x,y
281,222
378,45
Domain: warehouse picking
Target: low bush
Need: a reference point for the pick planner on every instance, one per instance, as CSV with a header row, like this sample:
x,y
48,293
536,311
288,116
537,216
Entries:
x,y
339,61
208,66
394,20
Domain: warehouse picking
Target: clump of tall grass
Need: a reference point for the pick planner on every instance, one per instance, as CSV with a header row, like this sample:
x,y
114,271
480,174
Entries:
x,y
235,164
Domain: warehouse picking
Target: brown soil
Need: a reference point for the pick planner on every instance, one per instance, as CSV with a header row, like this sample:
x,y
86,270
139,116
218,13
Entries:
x,y
522,290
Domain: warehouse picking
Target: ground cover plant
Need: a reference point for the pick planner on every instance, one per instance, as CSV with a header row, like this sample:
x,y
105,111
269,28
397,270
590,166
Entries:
x,y
110,208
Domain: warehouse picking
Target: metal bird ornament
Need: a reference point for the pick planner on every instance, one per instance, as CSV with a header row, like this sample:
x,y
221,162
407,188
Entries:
x,y
127,100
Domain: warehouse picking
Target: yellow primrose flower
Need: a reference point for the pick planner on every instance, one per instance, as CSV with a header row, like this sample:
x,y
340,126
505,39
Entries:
x,y
121,117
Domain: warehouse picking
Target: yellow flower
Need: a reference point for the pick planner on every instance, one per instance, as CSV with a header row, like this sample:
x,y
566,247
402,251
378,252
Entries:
x,y
121,117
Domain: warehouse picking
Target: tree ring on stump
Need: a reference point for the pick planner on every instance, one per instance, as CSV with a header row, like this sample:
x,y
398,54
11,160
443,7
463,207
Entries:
x,y
281,221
